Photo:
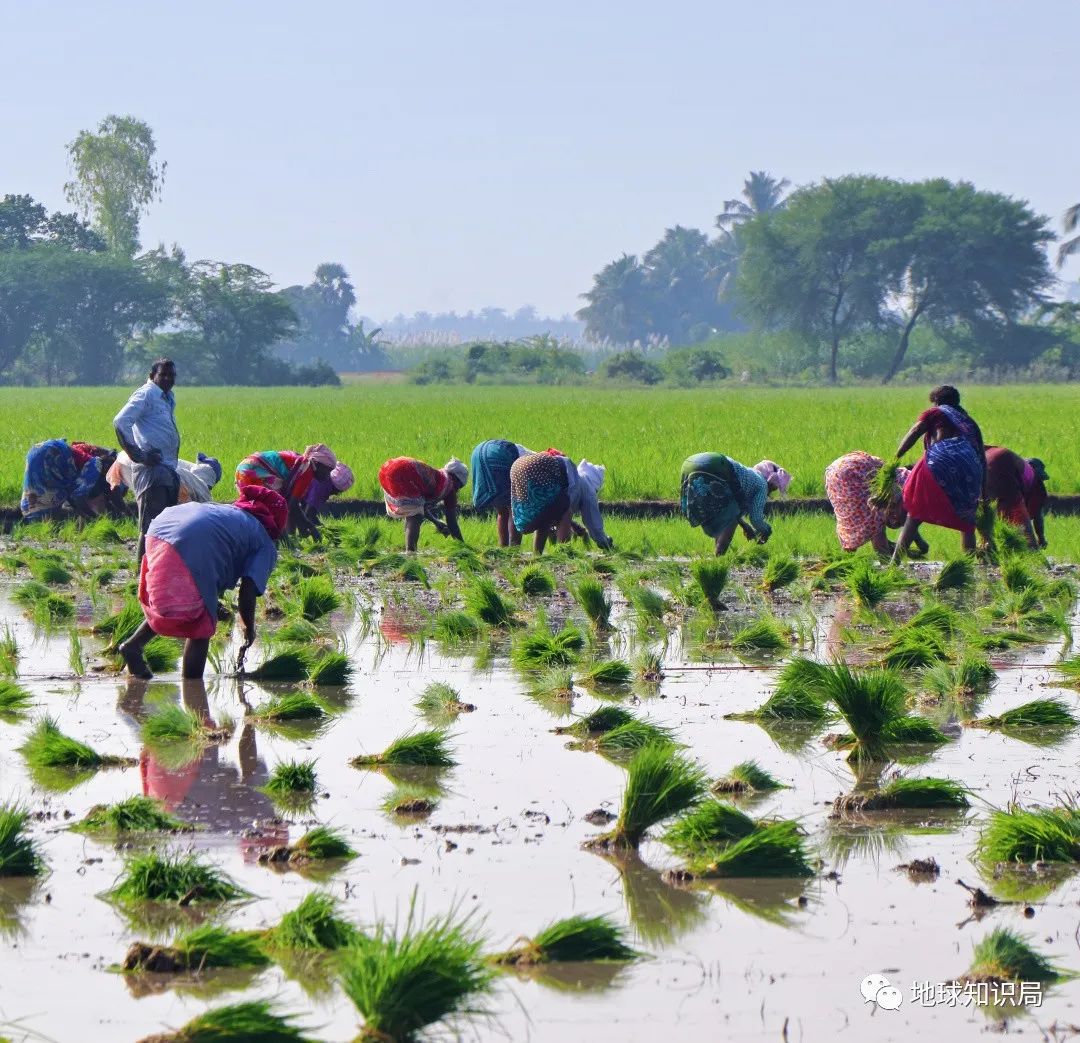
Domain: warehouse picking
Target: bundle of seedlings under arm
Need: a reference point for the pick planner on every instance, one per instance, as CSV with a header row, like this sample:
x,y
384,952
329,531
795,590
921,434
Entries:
x,y
1022,836
535,580
747,777
48,747
315,597
540,648
133,815
906,793
711,824
660,784
483,600
205,947
14,700
780,571
956,574
870,585
883,485
19,853
315,925
455,627
288,706
288,664
253,1022
764,634
609,673
598,722
403,980
1004,955
590,595
442,702
318,844
330,668
426,749
291,778
711,577
184,879
577,939
774,850
1051,714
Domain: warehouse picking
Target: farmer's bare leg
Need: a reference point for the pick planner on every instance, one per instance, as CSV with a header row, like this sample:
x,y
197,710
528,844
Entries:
x,y
412,532
503,525
723,541
195,653
132,651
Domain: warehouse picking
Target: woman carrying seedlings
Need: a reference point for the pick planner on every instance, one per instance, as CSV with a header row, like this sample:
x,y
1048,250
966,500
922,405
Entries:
x,y
1017,488
413,491
945,487
60,475
292,474
196,479
491,463
718,494
859,520
194,553
547,490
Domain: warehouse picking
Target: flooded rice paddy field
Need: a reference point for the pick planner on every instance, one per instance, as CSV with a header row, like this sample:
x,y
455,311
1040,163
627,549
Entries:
x,y
731,959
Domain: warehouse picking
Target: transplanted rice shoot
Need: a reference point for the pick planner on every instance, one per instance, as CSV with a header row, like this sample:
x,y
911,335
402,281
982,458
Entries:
x,y
316,597
711,578
577,939
133,815
748,777
1039,713
324,842
962,680
594,602
780,571
483,600
253,1022
186,878
907,793
956,574
291,777
330,668
315,925
535,580
428,749
541,648
48,747
764,634
14,700
452,627
289,706
171,723
204,947
711,824
19,854
403,979
609,672
599,721
442,701
290,664
775,850
660,784
869,585
1017,835
798,695
649,667
1004,955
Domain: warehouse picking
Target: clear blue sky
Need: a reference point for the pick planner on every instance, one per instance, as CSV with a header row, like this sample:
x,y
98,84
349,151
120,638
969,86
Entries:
x,y
456,155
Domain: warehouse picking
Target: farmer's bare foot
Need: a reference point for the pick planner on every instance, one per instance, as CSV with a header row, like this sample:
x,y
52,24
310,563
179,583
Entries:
x,y
136,664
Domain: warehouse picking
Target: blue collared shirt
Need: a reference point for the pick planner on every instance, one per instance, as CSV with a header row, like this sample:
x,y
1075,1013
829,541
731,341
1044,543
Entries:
x,y
148,421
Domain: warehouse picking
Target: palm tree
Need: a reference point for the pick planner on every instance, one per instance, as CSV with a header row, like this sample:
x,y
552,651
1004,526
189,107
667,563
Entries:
x,y
1070,246
761,193
618,306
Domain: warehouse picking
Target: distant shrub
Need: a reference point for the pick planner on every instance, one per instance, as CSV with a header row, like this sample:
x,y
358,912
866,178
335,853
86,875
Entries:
x,y
700,365
630,367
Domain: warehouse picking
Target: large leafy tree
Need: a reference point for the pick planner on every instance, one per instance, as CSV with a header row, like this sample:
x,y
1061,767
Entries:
x,y
618,306
115,178
964,257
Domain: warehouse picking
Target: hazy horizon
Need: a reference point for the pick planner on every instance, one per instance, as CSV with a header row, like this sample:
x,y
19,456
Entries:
x,y
457,159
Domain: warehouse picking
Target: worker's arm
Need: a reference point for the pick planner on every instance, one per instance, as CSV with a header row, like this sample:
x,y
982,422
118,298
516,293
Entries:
x,y
246,607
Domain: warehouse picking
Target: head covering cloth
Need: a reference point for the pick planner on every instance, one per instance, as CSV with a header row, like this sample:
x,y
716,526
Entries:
x,y
269,507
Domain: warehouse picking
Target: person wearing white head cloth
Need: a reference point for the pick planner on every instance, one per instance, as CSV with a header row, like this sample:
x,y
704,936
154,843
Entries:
x,y
414,490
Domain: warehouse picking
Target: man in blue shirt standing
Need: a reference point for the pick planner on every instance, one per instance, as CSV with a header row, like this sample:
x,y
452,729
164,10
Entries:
x,y
146,430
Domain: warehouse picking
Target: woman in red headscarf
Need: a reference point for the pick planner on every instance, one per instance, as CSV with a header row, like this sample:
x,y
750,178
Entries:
x,y
294,475
194,553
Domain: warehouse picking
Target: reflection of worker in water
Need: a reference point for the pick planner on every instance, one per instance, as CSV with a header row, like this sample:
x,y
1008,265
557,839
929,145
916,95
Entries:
x,y
213,793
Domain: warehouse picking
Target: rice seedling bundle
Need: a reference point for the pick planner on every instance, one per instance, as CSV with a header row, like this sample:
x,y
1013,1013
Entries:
x,y
649,667
1021,836
711,578
883,486
162,653
628,738
961,680
870,585
297,632
594,602
411,802
28,594
404,980
290,664
577,939
747,777
9,653
711,824
171,724
764,634
609,672
913,648
780,571
182,878
48,747
133,815
601,720
535,580
52,610
452,627
50,572
775,850
316,597
907,793
324,842
541,648
14,700
290,777
1069,669
255,1021
483,600
204,947
1004,955
956,574
330,668
651,607
442,700
660,784
553,683
429,749
19,853
120,626
1017,575
797,695
289,706
315,925
1039,713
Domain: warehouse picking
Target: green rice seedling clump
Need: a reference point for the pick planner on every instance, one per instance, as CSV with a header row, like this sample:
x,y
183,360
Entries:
x,y
255,1021
1039,713
577,939
651,607
169,724
553,683
541,648
316,597
649,667
883,485
956,574
404,980
120,626
483,600
913,649
292,777
289,706
290,664
594,602
775,850
907,793
440,700
780,571
452,627
748,776
50,572
324,842
14,700
204,947
19,853
630,737
154,877
296,631
48,747
910,729
971,675
535,580
1004,955
428,749
53,610
711,824
599,721
1017,575
610,672
798,695
315,925
330,668
711,577
1022,836
411,802
764,634
28,594
133,815
870,585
